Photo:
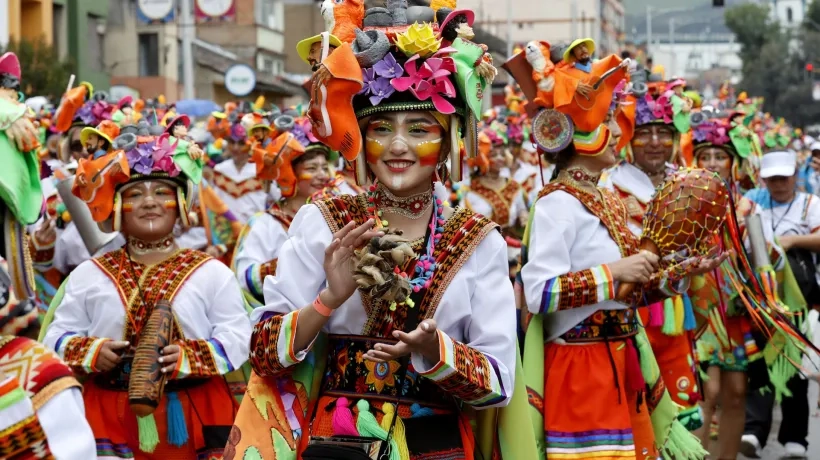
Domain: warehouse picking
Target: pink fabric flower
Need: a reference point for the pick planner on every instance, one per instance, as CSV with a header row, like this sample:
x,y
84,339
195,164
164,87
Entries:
x,y
430,79
163,156
663,108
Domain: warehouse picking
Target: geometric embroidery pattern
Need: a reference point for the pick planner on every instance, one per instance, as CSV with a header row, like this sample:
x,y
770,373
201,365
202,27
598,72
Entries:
x,y
500,200
24,440
472,379
237,189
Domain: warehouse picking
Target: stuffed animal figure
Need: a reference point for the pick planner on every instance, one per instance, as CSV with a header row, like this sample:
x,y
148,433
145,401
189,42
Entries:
x,y
343,17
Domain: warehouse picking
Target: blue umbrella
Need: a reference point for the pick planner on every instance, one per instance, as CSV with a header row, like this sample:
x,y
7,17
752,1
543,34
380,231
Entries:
x,y
196,107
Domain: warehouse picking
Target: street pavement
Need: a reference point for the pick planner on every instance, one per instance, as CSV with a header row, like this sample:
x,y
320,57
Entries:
x,y
773,450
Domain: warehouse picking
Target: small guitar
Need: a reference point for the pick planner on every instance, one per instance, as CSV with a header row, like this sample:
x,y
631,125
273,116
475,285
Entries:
x,y
92,174
588,101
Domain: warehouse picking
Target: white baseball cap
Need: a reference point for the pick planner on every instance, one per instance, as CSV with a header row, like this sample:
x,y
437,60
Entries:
x,y
814,146
528,146
783,163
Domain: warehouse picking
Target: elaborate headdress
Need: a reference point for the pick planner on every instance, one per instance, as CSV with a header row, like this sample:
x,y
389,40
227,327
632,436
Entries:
x,y
135,157
398,65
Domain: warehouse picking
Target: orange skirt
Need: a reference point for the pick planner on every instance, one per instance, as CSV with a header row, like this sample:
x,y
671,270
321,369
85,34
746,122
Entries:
x,y
585,414
209,405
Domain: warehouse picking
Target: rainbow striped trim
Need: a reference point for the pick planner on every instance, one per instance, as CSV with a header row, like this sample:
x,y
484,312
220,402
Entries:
x,y
597,444
592,144
577,289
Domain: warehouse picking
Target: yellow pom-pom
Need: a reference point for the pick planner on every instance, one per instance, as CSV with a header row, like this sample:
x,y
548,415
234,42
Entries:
x,y
65,216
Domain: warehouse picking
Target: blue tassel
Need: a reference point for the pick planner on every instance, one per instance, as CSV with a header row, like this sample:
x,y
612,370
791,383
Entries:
x,y
177,430
419,411
689,322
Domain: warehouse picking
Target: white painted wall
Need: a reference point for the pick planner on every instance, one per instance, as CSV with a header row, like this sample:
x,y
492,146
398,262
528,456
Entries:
x,y
689,59
4,22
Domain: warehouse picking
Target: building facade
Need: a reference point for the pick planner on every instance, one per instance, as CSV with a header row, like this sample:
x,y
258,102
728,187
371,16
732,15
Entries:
x,y
152,63
789,13
554,21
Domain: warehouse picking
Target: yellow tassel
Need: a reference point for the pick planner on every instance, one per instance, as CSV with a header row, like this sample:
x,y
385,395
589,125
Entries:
x,y
679,315
399,437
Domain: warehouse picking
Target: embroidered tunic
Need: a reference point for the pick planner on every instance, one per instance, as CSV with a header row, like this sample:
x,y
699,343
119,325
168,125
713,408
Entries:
x,y
41,405
502,206
258,248
481,277
242,192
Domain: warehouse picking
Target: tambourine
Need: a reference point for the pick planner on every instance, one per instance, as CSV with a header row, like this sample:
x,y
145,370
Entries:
x,y
552,130
147,381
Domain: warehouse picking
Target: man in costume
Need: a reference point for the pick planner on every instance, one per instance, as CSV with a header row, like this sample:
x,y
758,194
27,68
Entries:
x,y
650,152
402,142
39,397
179,321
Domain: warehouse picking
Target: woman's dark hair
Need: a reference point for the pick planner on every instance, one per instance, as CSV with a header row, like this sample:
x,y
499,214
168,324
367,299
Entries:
x,y
309,155
560,159
9,81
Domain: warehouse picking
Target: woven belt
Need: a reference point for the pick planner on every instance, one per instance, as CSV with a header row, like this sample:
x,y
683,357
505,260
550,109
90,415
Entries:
x,y
350,375
604,325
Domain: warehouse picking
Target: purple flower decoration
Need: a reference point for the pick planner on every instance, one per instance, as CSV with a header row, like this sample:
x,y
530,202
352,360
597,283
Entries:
x,y
388,67
643,111
368,77
711,132
141,158
299,134
515,133
379,90
85,114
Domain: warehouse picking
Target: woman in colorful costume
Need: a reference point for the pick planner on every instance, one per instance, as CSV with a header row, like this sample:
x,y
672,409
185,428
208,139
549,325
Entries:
x,y
142,194
593,383
449,265
306,174
39,397
650,157
727,347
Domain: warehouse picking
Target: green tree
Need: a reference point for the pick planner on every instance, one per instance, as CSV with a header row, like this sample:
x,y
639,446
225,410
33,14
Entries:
x,y
770,69
43,72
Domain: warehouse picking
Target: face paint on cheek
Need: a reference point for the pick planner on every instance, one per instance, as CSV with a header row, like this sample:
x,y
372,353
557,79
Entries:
x,y
169,204
128,207
374,149
668,143
428,152
306,176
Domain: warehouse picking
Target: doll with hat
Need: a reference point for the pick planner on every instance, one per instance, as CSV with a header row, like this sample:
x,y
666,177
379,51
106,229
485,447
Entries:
x,y
177,129
98,141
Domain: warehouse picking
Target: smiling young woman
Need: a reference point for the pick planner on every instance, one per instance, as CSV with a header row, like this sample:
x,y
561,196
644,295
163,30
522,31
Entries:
x,y
398,303
105,315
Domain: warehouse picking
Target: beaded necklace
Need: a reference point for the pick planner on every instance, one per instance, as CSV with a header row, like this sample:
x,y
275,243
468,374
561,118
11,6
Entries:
x,y
425,264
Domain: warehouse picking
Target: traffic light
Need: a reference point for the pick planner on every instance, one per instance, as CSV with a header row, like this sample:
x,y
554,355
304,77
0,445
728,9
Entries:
x,y
718,3
809,67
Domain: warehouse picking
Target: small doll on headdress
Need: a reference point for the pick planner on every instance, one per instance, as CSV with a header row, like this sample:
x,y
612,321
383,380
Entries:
x,y
98,141
177,129
458,25
259,129
680,102
124,115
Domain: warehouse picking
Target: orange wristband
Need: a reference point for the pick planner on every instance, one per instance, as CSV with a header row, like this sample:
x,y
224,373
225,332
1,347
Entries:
x,y
321,308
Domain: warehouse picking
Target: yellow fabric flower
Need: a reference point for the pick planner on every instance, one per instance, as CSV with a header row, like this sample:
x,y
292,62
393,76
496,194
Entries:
x,y
418,39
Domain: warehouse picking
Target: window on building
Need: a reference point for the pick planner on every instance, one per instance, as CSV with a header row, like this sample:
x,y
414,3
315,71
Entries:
x,y
267,65
58,29
789,15
266,13
149,54
278,67
96,43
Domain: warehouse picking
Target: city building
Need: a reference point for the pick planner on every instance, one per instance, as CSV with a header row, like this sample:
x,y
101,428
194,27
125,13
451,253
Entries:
x,y
152,64
76,27
555,21
789,13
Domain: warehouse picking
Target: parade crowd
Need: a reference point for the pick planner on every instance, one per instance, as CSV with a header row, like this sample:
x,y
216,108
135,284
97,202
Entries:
x,y
605,267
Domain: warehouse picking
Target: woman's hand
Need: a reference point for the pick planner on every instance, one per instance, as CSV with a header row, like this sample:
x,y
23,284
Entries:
x,y
110,355
699,265
169,358
423,340
635,269
338,261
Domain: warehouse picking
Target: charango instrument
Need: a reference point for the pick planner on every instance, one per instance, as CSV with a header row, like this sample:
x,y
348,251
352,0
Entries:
x,y
147,380
683,216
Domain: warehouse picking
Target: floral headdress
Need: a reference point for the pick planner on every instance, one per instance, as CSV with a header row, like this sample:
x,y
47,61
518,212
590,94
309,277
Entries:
x,y
393,68
714,132
134,158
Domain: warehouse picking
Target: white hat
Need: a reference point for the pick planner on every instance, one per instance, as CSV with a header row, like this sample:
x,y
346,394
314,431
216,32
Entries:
x,y
528,146
814,146
782,164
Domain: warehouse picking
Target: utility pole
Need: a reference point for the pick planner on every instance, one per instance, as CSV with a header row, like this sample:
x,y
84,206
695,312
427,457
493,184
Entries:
x,y
648,31
187,24
574,20
672,46
509,29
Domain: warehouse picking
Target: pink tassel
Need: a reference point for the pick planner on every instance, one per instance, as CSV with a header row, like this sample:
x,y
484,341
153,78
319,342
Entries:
x,y
634,377
656,314
342,422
